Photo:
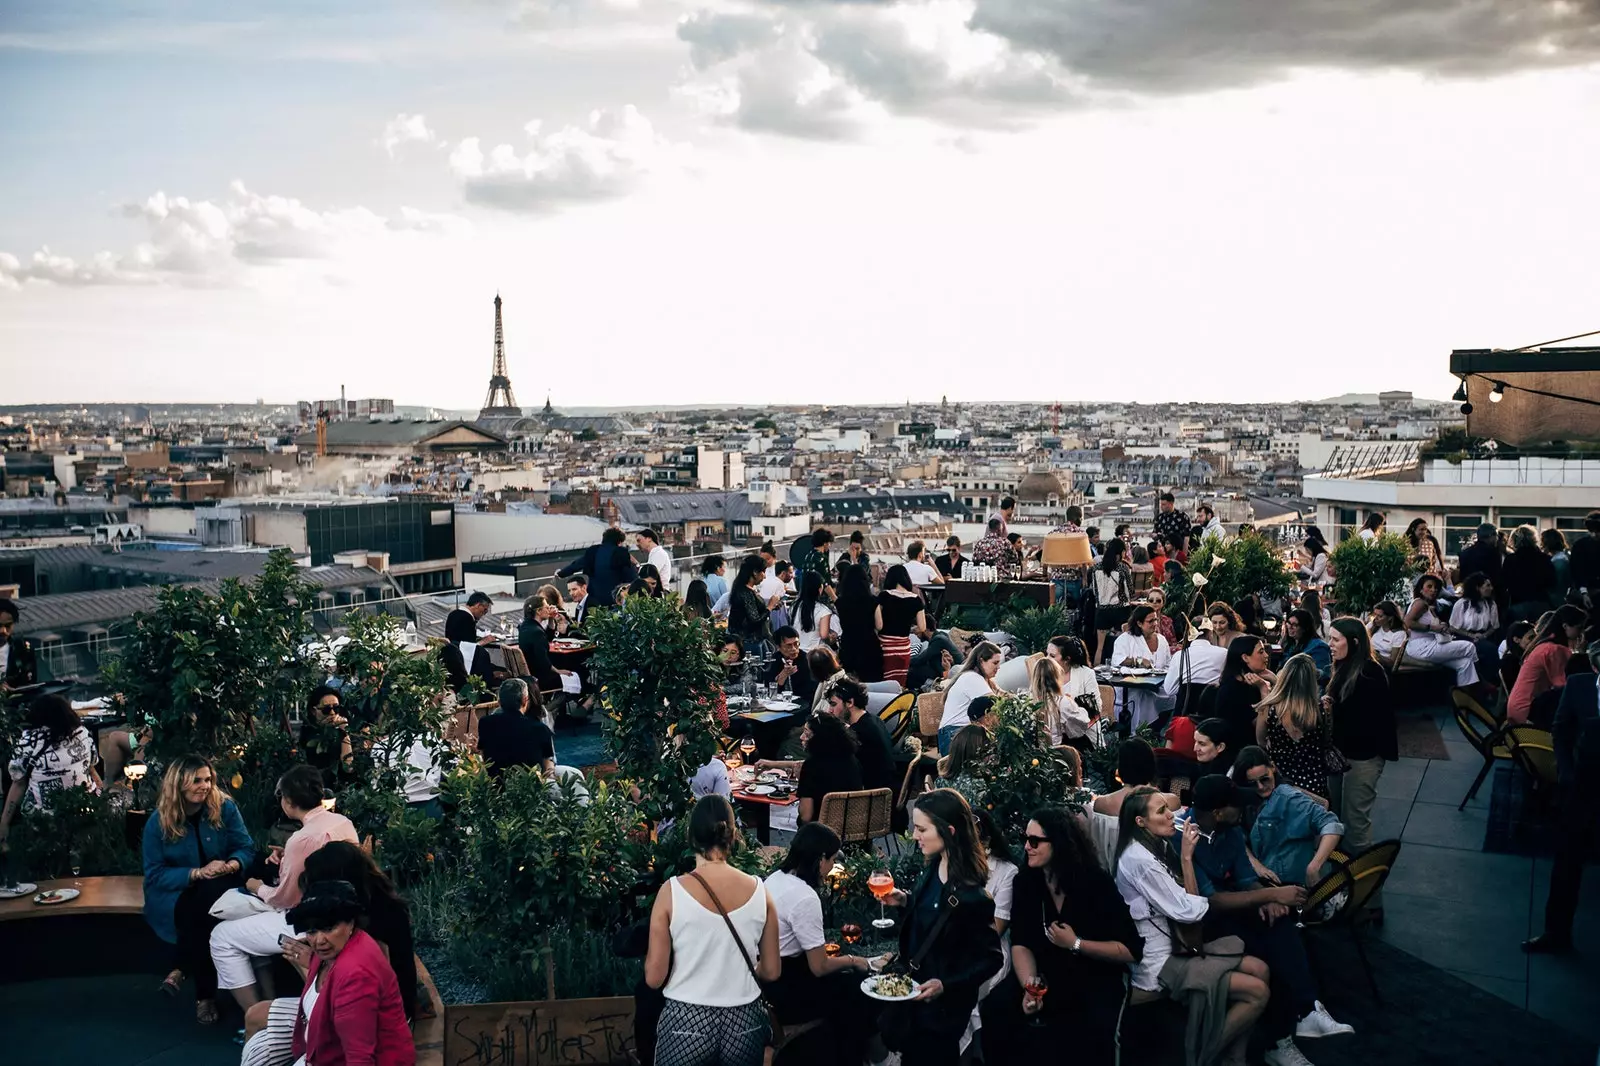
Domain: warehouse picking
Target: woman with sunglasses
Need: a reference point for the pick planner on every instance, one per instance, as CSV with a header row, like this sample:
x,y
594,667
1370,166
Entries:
x,y
1070,928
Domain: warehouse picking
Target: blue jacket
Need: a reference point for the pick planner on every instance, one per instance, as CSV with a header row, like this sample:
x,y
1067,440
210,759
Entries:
x,y
167,863
1320,654
1288,830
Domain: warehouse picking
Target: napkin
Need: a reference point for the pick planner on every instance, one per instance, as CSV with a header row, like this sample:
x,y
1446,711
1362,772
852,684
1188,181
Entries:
x,y
571,683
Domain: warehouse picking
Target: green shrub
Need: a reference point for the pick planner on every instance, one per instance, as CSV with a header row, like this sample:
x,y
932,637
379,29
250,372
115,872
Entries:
x,y
1365,573
95,826
1022,771
1032,627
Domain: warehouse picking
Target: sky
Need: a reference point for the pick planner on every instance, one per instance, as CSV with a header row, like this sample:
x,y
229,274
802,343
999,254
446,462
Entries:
x,y
788,201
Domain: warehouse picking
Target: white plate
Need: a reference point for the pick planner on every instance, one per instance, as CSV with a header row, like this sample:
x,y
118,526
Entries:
x,y
771,777
62,895
869,985
779,705
738,701
26,888
760,790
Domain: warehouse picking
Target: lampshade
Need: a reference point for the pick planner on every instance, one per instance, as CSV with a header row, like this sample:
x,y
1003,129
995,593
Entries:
x,y
1067,549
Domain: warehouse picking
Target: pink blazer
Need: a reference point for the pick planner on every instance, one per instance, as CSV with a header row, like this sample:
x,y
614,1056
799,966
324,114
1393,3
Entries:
x,y
358,1020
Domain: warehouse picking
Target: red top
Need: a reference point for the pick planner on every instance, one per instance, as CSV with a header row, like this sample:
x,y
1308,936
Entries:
x,y
358,1020
1544,669
1180,737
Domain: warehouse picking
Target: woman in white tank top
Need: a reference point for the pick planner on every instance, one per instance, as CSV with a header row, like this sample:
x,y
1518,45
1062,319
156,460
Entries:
x,y
713,1014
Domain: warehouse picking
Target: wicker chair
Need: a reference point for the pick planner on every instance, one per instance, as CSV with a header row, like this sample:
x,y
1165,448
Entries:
x,y
858,817
930,712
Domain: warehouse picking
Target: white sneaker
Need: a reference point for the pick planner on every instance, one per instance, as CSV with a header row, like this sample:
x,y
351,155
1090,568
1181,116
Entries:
x,y
1320,1023
1286,1054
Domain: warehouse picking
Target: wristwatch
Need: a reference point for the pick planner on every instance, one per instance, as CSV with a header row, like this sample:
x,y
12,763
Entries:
x,y
1077,945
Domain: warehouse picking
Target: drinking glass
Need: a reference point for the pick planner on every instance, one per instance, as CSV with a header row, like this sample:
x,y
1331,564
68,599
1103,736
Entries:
x,y
882,885
75,860
748,746
1035,989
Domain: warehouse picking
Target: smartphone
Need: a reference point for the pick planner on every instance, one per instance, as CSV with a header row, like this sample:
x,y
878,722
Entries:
x,y
284,939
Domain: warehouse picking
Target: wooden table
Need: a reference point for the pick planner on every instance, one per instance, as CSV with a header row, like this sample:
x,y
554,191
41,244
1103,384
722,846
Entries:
x,y
99,895
963,592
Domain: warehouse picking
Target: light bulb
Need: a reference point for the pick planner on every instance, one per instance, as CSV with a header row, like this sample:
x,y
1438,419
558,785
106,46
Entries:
x,y
1499,392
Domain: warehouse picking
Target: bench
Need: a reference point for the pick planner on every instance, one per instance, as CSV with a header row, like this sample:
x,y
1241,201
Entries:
x,y
124,895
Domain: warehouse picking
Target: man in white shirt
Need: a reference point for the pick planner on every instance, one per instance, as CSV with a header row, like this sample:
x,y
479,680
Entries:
x,y
917,565
659,557
1198,663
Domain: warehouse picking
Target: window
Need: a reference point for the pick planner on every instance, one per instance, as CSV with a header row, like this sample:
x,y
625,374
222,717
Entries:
x,y
1459,529
1344,520
1508,522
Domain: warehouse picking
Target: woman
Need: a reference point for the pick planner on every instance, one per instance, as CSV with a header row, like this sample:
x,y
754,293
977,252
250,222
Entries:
x,y
748,617
812,985
651,576
1156,551
831,764
1225,624
1213,753
1554,543
709,974
54,752
1142,646
1245,680
1519,638
350,1009
1071,928
970,744
1317,549
1372,528
384,915
899,614
814,618
1527,576
195,849
1425,548
533,640
1476,617
1081,686
557,623
977,679
1290,725
1388,633
825,670
1160,894
1364,731
697,600
859,651
1311,603
1113,593
1065,720
1157,599
1429,641
1544,669
1136,768
947,938
1248,611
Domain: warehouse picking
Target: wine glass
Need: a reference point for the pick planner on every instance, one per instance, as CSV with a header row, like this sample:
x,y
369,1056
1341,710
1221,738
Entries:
x,y
851,933
831,949
75,860
748,746
1035,989
882,885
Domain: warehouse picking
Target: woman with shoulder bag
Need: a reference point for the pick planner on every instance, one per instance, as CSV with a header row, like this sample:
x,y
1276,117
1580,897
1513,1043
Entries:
x,y
1113,593
713,939
948,942
1364,732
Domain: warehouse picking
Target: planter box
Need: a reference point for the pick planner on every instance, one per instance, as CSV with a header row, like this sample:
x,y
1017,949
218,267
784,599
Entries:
x,y
559,1032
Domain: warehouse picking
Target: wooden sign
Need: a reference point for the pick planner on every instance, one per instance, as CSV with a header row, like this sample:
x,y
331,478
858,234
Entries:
x,y
562,1032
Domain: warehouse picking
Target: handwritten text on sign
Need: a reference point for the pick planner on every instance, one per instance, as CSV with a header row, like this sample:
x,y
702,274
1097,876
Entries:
x,y
567,1032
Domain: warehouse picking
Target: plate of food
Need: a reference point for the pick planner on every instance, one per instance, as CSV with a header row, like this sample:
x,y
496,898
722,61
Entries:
x,y
760,790
1136,671
55,895
771,777
890,987
17,891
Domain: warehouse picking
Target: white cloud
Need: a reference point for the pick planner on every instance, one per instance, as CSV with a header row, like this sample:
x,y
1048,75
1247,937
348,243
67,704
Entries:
x,y
607,157
205,242
406,129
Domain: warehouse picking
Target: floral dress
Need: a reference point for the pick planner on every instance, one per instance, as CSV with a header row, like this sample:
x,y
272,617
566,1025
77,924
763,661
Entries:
x,y
1302,763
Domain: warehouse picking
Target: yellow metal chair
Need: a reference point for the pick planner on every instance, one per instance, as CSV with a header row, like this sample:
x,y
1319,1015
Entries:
x,y
1484,732
896,716
1341,896
1534,750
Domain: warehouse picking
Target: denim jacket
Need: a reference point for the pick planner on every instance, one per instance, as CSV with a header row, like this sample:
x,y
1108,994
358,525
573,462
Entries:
x,y
1288,830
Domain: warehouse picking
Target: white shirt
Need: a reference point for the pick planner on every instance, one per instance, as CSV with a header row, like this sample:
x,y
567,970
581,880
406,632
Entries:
x,y
770,586
921,573
707,968
1473,619
1386,641
1074,719
1133,646
966,688
711,778
50,769
661,559
422,774
1153,895
812,638
1201,661
799,911
1367,535
5,657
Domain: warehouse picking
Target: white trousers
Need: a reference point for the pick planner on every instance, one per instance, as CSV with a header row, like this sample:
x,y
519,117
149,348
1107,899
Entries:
x,y
233,943
1459,655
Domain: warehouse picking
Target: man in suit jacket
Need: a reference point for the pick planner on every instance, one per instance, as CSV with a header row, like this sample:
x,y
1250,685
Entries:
x,y
608,565
1483,556
17,666
578,593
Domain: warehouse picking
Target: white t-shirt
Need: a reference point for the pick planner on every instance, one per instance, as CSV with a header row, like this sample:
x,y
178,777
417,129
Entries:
x,y
1386,641
812,638
921,573
799,911
966,688
770,587
661,559
1367,535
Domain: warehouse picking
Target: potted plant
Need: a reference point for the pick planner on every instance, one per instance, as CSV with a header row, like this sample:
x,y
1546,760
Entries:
x,y
1368,572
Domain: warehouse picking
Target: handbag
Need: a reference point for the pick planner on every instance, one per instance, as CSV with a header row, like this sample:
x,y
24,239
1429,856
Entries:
x,y
238,904
775,1038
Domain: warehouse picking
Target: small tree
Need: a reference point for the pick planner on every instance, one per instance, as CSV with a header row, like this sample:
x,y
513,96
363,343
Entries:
x,y
1032,627
1369,572
658,674
1022,772
1227,569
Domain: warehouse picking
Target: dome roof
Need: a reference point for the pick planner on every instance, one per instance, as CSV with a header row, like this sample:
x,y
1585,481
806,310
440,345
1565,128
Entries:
x,y
1038,487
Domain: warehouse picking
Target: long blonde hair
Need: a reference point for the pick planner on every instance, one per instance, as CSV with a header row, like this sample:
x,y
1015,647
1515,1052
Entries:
x,y
1295,694
170,807
1045,685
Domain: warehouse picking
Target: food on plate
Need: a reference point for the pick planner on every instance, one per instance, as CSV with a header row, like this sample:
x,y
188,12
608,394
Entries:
x,y
893,985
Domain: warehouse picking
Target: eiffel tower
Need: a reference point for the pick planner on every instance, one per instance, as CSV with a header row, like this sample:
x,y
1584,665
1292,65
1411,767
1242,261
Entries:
x,y
499,403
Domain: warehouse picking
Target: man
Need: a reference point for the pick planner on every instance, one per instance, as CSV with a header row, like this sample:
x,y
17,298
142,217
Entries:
x,y
917,565
1210,524
578,594
1484,556
1576,738
714,573
992,548
855,553
17,665
608,565
847,701
1584,558
1008,507
1093,533
461,624
1197,665
1260,915
650,543
951,562
1171,523
816,561
774,587
790,670
510,737
1293,834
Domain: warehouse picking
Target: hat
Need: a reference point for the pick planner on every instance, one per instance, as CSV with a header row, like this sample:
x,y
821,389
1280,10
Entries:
x,y
980,706
1215,791
325,904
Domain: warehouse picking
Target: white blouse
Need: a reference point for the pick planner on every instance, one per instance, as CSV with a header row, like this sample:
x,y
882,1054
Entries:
x,y
966,688
811,639
1133,646
1385,642
1074,719
1153,896
1475,619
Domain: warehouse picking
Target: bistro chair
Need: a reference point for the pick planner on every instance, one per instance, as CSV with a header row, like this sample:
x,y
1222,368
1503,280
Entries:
x,y
930,712
516,662
1534,750
1483,731
858,817
1343,894
896,716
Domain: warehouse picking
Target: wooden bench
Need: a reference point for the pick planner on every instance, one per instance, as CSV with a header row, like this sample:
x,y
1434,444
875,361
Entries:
x,y
125,895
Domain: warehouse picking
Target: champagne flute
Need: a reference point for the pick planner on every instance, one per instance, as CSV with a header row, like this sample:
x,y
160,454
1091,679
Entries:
x,y
881,883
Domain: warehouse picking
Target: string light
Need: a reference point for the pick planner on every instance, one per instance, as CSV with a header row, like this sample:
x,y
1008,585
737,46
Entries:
x,y
1461,392
1501,387
1499,392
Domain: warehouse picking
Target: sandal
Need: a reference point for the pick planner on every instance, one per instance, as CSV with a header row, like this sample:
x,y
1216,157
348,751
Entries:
x,y
173,984
205,1012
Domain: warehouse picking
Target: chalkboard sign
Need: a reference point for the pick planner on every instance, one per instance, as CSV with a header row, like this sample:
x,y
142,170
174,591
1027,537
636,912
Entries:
x,y
563,1032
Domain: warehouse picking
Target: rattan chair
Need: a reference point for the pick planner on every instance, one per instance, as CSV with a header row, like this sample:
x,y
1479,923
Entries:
x,y
1484,732
1357,879
930,712
897,715
858,817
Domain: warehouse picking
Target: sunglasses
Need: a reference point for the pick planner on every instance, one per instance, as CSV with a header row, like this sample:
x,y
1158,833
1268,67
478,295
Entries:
x,y
1035,842
1263,782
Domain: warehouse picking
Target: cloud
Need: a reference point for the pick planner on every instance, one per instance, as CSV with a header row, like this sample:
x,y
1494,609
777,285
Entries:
x,y
205,242
1155,47
607,157
408,129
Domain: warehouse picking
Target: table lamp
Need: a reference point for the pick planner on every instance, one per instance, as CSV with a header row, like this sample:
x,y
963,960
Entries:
x,y
1067,549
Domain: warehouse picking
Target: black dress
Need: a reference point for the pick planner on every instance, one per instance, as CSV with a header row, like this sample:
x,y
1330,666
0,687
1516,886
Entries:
x,y
1236,705
859,651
